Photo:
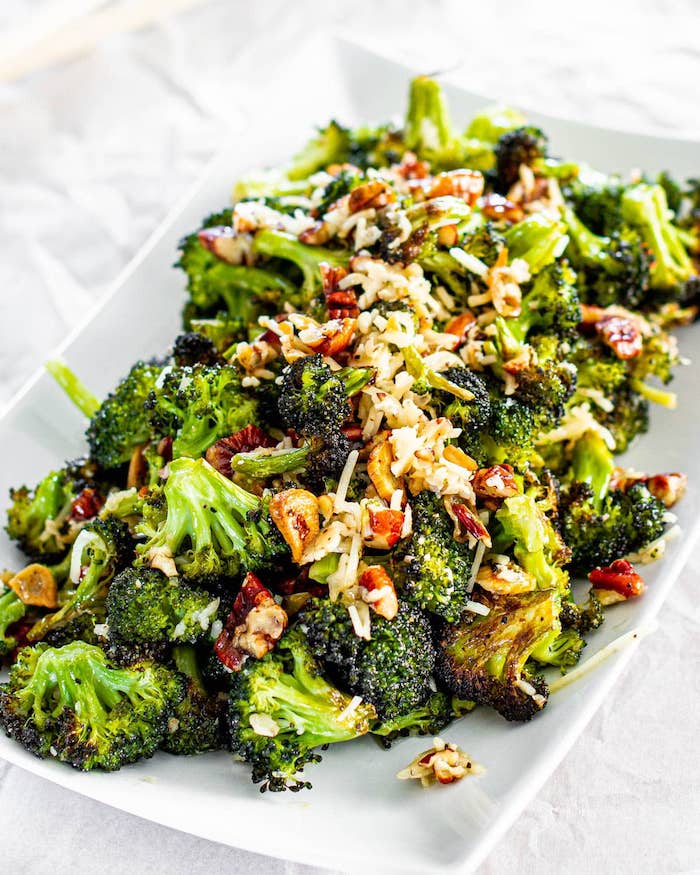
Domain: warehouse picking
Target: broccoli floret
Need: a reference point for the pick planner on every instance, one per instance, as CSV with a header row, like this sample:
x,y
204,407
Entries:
x,y
538,240
550,306
193,348
196,725
614,269
427,126
600,524
38,519
340,185
198,405
101,550
562,649
282,707
644,207
582,617
471,416
525,145
484,658
80,628
12,609
71,704
391,670
628,418
480,240
214,285
431,568
597,205
536,544
307,259
330,146
428,719
212,527
147,612
122,421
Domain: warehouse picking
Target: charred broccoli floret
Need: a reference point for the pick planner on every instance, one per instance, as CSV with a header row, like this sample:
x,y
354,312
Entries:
x,y
525,145
122,421
427,719
281,708
550,306
198,405
210,526
330,146
195,348
484,658
391,670
431,568
148,612
39,519
70,703
582,617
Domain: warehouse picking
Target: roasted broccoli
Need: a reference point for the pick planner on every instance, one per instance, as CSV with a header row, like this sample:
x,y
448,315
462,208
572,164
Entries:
x,y
429,718
282,708
538,239
525,145
211,527
484,658
430,567
550,306
70,703
12,609
391,670
39,519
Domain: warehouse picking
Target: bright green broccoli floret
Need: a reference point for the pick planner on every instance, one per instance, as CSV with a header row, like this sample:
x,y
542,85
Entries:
x,y
391,670
12,609
330,146
122,422
431,568
550,306
535,543
101,550
196,724
38,519
198,405
538,240
211,526
427,719
600,524
70,703
147,612
484,658
282,707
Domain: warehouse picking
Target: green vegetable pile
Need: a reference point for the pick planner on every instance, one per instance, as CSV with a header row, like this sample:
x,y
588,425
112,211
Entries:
x,y
351,498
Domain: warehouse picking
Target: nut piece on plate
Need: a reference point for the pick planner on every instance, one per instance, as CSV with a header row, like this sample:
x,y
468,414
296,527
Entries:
x,y
444,763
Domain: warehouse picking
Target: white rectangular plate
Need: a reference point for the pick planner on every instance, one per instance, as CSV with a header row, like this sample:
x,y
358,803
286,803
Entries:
x,y
358,816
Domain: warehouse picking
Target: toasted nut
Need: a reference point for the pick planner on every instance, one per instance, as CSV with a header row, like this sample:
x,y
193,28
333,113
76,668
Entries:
x,y
86,504
382,526
330,337
253,627
35,585
505,578
590,314
621,334
377,590
443,763
620,578
318,234
375,193
138,468
447,235
459,325
467,523
465,184
223,242
379,470
295,513
495,206
495,482
412,168
458,457
245,440
668,488
503,283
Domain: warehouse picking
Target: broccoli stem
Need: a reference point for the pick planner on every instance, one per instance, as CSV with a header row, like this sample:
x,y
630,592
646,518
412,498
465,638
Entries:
x,y
185,659
417,369
78,393
593,463
538,240
427,124
268,464
654,394
278,244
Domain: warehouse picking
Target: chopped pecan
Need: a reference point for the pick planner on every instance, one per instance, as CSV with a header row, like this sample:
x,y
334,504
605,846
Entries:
x,y
223,242
35,585
329,338
495,482
341,303
295,513
379,469
505,578
447,235
373,194
381,526
245,440
318,234
495,206
465,184
459,325
165,449
443,763
138,468
411,167
668,488
621,334
86,504
616,582
378,591
468,524
253,627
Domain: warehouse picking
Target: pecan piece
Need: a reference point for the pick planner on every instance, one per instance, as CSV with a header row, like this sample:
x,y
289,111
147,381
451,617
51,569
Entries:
x,y
376,193
253,627
86,504
245,440
494,482
329,338
468,524
295,513
465,184
668,488
459,325
616,582
382,526
378,591
318,234
223,242
496,206
444,763
621,334
341,303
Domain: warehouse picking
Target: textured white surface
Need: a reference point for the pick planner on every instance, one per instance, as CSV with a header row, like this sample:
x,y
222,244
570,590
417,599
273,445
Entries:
x,y
91,157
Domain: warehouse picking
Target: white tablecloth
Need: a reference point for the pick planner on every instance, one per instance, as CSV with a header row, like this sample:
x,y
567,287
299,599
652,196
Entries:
x,y
93,153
